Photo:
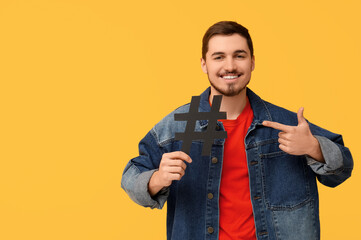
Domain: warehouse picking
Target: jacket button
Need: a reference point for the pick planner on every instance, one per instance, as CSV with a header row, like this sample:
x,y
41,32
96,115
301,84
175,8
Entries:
x,y
210,230
214,160
256,197
210,195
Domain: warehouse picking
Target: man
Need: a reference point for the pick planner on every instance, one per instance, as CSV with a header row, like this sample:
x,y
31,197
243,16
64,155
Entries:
x,y
260,182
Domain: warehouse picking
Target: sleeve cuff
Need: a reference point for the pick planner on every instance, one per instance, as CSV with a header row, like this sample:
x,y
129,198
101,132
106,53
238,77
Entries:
x,y
332,155
136,186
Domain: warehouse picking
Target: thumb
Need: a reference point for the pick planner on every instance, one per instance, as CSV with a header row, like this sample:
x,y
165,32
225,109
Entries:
x,y
300,117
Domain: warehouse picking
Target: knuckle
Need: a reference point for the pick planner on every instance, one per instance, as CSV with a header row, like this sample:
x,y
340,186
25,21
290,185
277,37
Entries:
x,y
164,157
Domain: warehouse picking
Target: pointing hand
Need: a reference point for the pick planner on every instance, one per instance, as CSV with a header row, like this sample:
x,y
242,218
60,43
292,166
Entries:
x,y
297,140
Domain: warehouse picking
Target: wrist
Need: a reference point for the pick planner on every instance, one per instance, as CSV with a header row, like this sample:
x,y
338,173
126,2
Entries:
x,y
315,150
154,185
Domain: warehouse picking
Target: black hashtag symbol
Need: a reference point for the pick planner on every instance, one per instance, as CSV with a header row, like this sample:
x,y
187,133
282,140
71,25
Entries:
x,y
192,116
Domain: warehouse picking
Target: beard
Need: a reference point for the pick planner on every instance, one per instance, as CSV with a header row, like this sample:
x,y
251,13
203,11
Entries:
x,y
230,91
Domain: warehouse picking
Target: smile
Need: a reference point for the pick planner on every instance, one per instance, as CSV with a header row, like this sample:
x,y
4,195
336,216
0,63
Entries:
x,y
230,77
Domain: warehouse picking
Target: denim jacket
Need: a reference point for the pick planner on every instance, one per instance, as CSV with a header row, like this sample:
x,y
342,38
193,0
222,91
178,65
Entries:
x,y
283,187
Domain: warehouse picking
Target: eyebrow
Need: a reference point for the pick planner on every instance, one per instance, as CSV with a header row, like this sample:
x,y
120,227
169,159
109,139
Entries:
x,y
237,51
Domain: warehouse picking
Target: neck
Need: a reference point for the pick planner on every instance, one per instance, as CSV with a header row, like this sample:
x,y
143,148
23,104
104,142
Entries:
x,y
234,105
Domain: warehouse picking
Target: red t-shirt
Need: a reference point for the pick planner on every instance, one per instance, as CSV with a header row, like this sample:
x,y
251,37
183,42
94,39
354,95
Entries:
x,y
235,208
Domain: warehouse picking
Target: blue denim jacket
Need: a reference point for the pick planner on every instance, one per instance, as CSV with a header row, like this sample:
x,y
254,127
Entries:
x,y
283,187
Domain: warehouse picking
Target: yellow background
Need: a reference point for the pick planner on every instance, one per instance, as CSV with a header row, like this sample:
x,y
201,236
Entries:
x,y
83,81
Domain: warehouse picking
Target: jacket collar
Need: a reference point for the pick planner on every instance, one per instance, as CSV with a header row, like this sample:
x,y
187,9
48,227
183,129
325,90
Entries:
x,y
260,110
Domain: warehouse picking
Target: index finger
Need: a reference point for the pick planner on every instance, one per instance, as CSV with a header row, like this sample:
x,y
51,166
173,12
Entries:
x,y
180,155
276,125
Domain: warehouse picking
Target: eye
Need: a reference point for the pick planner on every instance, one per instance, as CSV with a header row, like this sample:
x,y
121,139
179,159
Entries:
x,y
218,58
240,56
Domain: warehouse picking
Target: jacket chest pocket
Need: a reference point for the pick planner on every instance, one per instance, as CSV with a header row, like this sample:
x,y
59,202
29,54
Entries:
x,y
285,178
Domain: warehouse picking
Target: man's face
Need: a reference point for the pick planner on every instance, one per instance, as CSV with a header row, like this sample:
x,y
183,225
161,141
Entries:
x,y
228,64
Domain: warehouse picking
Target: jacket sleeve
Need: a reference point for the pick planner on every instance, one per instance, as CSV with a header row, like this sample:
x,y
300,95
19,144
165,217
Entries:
x,y
338,159
139,170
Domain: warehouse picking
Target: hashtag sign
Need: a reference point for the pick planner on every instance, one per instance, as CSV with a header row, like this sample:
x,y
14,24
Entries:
x,y
192,116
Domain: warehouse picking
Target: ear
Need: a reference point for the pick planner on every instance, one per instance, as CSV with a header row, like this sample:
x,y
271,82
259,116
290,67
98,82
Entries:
x,y
253,62
204,66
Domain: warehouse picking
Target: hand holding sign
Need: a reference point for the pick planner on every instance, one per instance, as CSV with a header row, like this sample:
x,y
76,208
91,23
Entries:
x,y
297,140
172,167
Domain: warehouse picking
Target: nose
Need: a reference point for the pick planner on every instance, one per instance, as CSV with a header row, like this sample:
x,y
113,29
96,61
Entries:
x,y
230,65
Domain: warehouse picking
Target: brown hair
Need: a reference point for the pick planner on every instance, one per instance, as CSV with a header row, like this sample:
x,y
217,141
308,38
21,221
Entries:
x,y
225,28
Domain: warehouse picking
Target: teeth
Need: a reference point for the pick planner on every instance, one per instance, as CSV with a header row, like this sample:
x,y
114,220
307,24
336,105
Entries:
x,y
229,77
